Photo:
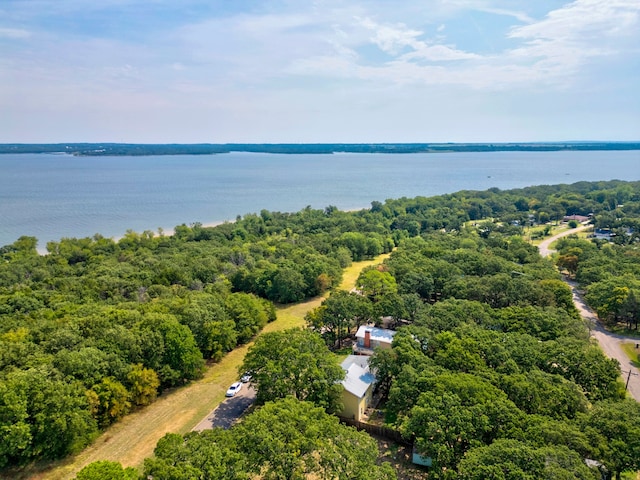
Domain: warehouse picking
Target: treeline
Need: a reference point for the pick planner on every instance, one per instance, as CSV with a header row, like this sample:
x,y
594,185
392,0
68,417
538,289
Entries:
x,y
129,149
98,327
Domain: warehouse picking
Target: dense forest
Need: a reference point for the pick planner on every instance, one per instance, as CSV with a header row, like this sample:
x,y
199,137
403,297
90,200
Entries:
x,y
109,149
492,371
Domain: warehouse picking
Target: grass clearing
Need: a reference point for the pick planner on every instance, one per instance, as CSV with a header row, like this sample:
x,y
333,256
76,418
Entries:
x,y
133,438
351,273
632,352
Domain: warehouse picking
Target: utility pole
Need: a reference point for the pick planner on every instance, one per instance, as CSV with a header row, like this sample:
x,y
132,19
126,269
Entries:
x,y
628,378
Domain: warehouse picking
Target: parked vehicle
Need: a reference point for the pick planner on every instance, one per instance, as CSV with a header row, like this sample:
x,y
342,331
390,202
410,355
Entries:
x,y
233,389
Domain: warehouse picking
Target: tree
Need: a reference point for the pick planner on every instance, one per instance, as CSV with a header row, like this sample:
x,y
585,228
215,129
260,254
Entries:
x,y
294,362
14,425
456,412
286,439
508,459
249,314
144,385
210,454
374,284
181,355
208,320
615,430
109,400
338,314
43,417
287,285
630,310
292,440
106,470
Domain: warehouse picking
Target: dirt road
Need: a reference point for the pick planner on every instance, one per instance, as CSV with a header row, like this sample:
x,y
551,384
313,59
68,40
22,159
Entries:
x,y
609,342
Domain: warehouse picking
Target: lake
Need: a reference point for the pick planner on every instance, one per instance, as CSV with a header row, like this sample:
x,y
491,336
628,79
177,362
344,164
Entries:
x,y
54,196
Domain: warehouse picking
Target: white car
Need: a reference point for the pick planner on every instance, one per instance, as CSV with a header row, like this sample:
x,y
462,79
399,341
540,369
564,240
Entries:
x,y
233,389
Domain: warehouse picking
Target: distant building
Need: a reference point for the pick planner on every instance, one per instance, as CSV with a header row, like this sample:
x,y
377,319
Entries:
x,y
369,337
577,218
602,234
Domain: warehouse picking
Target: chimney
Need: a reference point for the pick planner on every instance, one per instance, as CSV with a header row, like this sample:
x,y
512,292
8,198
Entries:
x,y
367,339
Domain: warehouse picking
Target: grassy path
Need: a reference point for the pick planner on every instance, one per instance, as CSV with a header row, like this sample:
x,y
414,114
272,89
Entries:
x,y
133,438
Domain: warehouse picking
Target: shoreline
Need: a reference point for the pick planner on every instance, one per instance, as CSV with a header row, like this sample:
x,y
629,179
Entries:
x,y
159,232
169,232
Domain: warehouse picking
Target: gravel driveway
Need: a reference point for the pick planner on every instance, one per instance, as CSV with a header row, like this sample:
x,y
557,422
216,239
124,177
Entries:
x,y
230,410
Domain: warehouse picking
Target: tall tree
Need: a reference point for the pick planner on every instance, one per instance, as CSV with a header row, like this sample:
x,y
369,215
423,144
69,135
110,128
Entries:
x,y
615,430
107,470
291,440
297,363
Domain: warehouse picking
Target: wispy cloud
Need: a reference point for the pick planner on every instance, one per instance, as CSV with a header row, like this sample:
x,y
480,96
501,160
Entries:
x,y
550,52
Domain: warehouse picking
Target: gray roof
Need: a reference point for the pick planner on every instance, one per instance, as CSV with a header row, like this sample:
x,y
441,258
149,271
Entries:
x,y
358,378
377,334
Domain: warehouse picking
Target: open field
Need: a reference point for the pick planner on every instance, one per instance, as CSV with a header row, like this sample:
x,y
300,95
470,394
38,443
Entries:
x,y
133,439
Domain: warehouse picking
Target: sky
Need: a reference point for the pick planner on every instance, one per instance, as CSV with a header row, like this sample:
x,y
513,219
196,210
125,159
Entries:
x,y
326,71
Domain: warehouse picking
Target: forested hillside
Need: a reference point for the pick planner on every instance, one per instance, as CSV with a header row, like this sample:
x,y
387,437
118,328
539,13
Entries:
x,y
98,327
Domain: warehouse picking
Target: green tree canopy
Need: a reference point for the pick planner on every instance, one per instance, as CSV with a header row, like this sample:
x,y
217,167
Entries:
x,y
297,363
107,470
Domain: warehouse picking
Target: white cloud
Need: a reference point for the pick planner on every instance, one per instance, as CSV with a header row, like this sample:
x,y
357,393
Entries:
x,y
551,51
570,36
520,16
392,39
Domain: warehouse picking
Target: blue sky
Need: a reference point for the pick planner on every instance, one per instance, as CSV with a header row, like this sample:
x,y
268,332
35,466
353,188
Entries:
x,y
163,71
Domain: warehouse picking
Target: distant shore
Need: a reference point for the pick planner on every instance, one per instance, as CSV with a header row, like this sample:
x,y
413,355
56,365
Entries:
x,y
132,149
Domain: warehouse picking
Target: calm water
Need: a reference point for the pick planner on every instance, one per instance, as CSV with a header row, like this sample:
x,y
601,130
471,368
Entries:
x,y
56,196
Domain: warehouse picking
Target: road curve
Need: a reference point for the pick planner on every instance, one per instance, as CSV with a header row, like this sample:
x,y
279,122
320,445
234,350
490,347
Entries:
x,y
544,248
610,343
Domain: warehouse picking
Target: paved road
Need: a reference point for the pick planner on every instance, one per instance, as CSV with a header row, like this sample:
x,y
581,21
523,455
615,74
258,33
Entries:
x,y
230,410
544,249
609,342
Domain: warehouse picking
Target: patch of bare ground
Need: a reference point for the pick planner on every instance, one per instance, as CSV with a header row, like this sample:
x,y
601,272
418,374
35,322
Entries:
x,y
400,457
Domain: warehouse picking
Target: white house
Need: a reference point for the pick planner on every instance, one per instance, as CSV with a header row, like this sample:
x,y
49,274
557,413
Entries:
x,y
358,386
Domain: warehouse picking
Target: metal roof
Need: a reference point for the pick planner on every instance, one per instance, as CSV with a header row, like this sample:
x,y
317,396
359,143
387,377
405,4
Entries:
x,y
377,334
358,378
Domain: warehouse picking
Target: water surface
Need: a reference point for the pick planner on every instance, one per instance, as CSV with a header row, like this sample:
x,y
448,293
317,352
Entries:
x,y
54,196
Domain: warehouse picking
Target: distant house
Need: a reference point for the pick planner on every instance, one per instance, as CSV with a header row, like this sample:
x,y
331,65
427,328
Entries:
x,y
358,387
368,338
577,218
602,233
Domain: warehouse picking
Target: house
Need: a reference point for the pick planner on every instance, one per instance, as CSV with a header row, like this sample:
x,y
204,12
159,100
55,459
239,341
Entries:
x,y
358,387
369,337
602,234
577,218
